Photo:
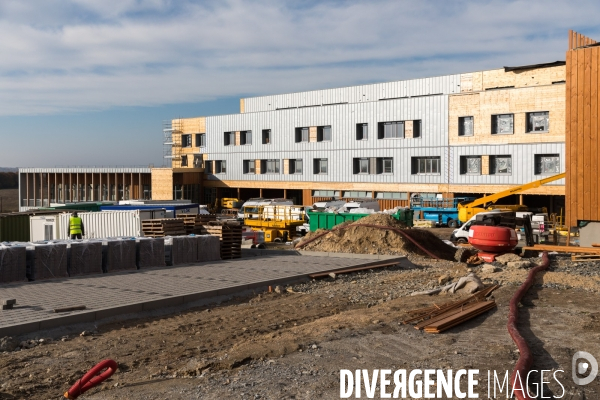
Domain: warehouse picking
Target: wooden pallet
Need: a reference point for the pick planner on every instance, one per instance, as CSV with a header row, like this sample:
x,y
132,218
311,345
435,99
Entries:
x,y
163,227
230,237
193,222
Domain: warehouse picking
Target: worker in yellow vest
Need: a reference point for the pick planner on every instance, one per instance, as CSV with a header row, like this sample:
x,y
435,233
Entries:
x,y
75,227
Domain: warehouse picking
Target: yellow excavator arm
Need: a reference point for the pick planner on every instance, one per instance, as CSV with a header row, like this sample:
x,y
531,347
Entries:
x,y
466,211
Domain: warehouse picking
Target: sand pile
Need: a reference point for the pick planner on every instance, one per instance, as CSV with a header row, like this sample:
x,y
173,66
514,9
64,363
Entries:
x,y
353,238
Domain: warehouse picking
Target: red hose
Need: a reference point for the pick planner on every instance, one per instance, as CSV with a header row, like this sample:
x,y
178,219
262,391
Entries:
x,y
385,228
525,358
91,378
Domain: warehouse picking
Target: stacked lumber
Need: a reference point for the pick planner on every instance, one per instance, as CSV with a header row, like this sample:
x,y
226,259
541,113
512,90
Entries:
x,y
438,318
230,237
163,227
193,222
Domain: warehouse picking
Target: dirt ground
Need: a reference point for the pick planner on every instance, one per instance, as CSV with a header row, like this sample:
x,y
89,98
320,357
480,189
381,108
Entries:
x,y
10,200
292,345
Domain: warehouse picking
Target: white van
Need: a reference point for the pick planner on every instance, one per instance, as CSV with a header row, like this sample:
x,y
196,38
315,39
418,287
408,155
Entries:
x,y
250,207
539,228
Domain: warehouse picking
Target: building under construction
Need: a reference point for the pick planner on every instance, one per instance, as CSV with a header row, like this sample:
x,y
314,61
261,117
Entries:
x,y
461,134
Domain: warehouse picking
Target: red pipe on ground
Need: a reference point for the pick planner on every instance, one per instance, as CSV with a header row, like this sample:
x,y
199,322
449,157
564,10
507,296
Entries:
x,y
91,378
385,228
525,358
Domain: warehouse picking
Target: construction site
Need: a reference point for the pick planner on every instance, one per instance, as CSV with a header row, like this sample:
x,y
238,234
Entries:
x,y
469,247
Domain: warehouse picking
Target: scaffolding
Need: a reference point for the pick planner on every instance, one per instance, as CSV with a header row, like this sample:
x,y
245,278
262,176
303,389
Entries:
x,y
172,130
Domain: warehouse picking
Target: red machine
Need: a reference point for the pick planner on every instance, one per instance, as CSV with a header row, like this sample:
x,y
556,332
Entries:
x,y
492,240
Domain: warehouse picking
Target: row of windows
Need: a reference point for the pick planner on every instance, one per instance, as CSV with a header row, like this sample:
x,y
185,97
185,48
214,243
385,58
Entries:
x,y
469,165
502,164
186,140
503,124
353,194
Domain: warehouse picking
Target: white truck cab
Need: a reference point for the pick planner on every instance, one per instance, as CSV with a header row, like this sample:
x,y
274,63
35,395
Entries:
x,y
250,207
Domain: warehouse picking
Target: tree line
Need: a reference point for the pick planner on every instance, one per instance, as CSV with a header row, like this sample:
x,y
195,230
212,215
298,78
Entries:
x,y
9,180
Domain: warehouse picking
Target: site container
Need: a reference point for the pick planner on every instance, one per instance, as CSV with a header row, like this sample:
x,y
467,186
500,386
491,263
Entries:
x,y
324,220
172,210
109,223
84,206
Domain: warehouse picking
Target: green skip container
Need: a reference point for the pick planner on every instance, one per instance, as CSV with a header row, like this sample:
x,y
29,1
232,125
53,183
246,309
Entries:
x,y
324,220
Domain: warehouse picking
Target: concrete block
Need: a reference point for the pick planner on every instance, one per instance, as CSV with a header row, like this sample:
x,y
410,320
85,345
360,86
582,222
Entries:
x,y
119,310
68,320
162,303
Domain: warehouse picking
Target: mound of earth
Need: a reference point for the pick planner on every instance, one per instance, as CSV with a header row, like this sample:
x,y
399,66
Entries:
x,y
351,237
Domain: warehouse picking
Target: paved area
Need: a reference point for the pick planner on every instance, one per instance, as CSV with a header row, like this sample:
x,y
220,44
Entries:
x,y
107,295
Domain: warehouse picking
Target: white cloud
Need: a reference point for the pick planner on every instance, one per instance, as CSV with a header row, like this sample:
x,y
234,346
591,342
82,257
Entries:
x,y
61,56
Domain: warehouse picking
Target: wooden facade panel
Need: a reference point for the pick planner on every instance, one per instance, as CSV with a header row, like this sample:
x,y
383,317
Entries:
x,y
312,134
582,144
485,165
237,138
408,129
477,81
242,106
519,102
286,166
466,83
162,184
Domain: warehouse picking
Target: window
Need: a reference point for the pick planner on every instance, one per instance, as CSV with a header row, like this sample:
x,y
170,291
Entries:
x,y
502,124
320,166
356,194
245,137
301,135
323,133
208,166
249,166
425,165
547,164
186,140
361,166
229,138
220,166
270,166
362,131
391,130
501,165
385,165
200,139
465,126
416,128
392,195
470,165
266,136
184,161
197,161
295,166
326,193
538,122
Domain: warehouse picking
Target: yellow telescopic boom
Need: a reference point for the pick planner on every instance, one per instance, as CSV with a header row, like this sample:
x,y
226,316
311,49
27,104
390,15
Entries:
x,y
466,211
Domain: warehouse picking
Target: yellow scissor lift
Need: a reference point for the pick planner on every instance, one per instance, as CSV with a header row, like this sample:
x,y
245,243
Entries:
x,y
277,222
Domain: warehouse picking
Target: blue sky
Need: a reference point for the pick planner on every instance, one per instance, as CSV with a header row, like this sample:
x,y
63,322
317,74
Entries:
x,y
89,82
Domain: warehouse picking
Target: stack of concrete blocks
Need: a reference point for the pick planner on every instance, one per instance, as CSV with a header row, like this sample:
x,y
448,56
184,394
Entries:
x,y
150,252
46,261
13,267
208,248
84,257
119,254
183,250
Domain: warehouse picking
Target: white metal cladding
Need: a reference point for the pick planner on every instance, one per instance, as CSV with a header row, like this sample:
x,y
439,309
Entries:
x,y
105,224
447,84
88,170
343,147
523,162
